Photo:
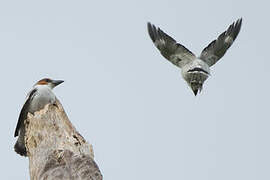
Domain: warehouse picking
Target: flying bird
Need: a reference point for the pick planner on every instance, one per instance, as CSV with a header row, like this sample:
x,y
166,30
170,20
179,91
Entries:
x,y
195,70
37,98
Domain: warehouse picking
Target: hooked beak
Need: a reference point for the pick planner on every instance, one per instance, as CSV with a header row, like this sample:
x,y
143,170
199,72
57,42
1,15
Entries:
x,y
57,82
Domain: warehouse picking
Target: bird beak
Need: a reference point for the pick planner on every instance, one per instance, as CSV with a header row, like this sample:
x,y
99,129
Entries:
x,y
57,82
195,91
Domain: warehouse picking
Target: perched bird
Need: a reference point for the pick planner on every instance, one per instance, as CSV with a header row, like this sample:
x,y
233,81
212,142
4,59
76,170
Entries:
x,y
37,98
195,70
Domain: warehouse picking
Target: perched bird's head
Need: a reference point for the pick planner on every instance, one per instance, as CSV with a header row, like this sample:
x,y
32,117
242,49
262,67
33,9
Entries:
x,y
49,82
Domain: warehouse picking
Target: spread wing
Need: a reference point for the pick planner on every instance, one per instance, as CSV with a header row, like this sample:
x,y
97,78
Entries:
x,y
24,112
217,48
168,47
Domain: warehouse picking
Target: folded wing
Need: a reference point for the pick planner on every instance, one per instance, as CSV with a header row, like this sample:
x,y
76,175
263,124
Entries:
x,y
24,112
168,47
217,48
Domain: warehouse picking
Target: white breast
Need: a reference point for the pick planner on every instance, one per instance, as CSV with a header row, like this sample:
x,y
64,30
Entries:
x,y
42,97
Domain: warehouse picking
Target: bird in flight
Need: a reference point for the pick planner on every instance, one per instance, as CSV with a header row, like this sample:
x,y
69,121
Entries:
x,y
37,98
195,70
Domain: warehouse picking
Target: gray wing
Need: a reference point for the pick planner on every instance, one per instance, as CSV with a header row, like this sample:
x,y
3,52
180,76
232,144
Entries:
x,y
168,47
217,48
24,112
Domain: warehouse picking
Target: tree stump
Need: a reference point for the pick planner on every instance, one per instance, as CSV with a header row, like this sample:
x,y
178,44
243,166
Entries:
x,y
55,149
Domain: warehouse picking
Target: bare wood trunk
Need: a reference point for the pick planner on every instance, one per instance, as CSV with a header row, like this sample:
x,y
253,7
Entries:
x,y
55,149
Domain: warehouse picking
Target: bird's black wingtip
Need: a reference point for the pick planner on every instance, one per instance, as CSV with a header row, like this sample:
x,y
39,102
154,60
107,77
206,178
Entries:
x,y
151,31
239,21
16,133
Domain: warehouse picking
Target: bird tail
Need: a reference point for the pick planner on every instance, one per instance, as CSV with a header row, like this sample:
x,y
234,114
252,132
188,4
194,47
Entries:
x,y
19,147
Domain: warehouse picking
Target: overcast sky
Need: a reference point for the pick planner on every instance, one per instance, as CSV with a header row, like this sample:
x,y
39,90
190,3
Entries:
x,y
127,100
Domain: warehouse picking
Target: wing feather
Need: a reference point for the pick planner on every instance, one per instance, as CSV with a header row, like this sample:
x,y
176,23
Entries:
x,y
217,48
24,112
168,47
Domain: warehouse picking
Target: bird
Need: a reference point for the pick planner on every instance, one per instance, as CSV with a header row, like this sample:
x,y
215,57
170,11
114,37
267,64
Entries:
x,y
40,95
194,70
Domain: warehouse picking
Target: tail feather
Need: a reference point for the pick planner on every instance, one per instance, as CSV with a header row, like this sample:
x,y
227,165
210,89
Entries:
x,y
19,147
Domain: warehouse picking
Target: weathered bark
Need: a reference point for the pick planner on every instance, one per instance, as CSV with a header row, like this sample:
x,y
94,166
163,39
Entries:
x,y
55,149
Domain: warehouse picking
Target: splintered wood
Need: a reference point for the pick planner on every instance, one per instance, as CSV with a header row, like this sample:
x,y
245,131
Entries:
x,y
55,149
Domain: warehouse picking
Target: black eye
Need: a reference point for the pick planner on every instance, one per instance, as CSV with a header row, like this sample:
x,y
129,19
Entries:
x,y
47,80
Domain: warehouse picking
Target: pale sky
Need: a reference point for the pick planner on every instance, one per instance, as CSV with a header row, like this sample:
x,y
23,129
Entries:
x,y
127,100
